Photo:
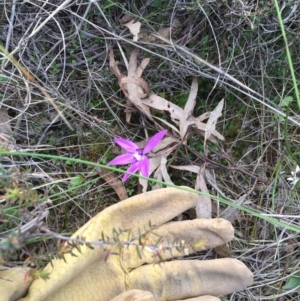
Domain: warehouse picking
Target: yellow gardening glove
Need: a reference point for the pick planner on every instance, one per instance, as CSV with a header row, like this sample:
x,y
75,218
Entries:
x,y
14,283
106,273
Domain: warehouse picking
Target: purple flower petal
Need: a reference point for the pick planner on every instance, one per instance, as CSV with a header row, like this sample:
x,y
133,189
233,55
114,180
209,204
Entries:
x,y
153,142
126,177
128,145
133,168
122,160
144,167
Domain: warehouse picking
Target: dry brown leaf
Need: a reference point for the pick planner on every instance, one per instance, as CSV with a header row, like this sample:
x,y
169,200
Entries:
x,y
212,120
164,144
159,103
133,89
203,207
164,172
164,32
112,180
204,116
231,213
208,176
183,118
132,66
133,86
191,102
140,69
137,89
168,124
143,90
192,168
158,176
6,138
134,28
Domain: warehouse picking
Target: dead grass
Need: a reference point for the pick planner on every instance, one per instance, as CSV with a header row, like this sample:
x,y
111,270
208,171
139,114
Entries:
x,y
235,50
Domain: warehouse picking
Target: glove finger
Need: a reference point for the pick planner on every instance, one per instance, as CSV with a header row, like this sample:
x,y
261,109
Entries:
x,y
14,283
134,213
157,206
134,295
176,239
202,298
184,279
138,295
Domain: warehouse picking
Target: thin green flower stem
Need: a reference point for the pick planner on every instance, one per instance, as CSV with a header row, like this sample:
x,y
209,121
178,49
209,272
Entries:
x,y
252,212
288,54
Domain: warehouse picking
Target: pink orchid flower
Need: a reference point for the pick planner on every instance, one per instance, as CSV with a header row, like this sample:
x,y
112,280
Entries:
x,y
135,155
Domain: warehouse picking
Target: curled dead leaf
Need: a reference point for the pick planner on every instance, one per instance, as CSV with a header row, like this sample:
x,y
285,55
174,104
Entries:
x,y
142,85
133,86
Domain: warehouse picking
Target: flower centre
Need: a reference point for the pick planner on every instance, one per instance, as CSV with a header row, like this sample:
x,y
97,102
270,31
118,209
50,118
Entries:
x,y
138,155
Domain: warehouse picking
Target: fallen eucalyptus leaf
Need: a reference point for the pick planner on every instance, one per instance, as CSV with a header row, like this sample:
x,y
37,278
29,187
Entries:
x,y
203,207
183,118
212,121
133,86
